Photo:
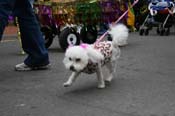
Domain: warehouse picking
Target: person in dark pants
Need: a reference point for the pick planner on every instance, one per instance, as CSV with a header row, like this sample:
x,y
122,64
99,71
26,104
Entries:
x,y
31,36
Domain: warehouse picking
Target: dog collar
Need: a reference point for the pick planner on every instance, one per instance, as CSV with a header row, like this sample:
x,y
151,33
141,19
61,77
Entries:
x,y
84,46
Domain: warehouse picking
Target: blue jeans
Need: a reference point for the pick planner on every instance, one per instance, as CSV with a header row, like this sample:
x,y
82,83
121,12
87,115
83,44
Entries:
x,y
31,36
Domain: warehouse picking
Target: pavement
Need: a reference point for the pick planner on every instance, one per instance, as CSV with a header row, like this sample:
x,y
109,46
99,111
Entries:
x,y
144,84
10,30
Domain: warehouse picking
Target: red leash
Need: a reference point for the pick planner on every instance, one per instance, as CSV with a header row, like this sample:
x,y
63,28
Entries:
x,y
102,36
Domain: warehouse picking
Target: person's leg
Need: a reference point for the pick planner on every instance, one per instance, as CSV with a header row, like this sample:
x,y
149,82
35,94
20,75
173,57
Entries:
x,y
6,7
31,36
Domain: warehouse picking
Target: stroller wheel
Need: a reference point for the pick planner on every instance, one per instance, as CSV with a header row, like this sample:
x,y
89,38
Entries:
x,y
167,32
47,35
48,41
141,31
162,31
158,31
88,34
146,31
68,37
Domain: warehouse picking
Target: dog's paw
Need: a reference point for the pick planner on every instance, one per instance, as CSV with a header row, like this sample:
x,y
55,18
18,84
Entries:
x,y
101,86
107,82
66,84
109,79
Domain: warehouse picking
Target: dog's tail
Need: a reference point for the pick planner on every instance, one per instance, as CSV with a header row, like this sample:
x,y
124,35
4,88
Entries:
x,y
119,34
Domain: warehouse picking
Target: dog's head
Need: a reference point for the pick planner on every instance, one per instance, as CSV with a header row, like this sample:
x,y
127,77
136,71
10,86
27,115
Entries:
x,y
77,57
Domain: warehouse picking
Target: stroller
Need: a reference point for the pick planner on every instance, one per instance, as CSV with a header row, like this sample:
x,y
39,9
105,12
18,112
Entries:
x,y
159,16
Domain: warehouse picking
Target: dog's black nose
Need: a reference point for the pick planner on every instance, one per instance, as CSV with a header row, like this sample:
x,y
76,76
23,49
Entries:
x,y
72,68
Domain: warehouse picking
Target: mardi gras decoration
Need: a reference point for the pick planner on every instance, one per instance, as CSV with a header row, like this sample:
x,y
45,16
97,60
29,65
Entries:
x,y
77,19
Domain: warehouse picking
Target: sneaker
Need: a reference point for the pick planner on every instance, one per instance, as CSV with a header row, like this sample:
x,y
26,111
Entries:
x,y
24,67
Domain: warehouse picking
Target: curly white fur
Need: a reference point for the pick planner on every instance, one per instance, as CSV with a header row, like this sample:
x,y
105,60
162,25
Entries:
x,y
119,34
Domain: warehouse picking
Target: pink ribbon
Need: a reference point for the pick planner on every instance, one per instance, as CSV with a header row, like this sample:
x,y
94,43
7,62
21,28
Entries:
x,y
84,46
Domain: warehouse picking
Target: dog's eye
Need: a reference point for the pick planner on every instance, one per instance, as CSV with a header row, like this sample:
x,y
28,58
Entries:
x,y
77,60
70,59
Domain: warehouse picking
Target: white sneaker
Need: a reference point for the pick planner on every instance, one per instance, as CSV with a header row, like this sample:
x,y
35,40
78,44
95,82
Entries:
x,y
24,67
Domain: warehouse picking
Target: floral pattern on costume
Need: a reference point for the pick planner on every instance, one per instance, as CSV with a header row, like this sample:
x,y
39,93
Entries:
x,y
106,49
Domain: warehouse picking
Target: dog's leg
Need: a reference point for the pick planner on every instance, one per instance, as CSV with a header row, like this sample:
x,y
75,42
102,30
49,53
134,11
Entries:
x,y
71,79
100,78
111,66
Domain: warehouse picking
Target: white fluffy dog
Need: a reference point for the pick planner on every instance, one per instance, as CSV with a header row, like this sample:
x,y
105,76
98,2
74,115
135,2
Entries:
x,y
90,58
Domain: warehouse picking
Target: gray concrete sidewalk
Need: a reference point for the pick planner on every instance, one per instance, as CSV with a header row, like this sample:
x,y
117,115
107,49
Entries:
x,y
144,84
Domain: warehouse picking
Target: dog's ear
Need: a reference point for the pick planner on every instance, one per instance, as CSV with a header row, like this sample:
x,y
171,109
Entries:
x,y
94,55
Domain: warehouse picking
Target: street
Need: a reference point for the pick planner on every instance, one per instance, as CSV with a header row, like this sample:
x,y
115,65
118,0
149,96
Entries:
x,y
144,84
